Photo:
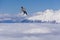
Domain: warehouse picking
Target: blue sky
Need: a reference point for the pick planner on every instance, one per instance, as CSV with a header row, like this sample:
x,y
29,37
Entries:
x,y
13,6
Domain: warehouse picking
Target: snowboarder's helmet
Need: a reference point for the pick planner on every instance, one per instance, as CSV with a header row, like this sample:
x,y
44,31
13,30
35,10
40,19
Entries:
x,y
21,6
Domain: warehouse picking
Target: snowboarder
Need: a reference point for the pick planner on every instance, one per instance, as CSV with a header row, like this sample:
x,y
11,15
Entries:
x,y
23,10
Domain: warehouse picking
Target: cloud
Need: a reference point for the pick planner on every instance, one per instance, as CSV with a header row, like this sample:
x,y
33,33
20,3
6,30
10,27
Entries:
x,y
47,15
24,28
5,17
28,31
38,30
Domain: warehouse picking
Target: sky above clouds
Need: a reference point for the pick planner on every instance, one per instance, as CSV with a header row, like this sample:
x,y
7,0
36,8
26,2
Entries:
x,y
32,6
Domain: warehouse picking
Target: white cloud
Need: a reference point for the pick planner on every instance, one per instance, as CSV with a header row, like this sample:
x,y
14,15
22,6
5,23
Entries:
x,y
47,15
5,17
38,30
12,31
24,28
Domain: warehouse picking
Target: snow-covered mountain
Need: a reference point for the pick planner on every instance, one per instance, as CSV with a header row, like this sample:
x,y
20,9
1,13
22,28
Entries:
x,y
47,16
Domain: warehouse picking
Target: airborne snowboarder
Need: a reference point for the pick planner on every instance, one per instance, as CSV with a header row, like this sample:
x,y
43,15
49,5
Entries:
x,y
23,10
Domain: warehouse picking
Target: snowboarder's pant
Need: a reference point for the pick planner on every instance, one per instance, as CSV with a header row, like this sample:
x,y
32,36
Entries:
x,y
25,12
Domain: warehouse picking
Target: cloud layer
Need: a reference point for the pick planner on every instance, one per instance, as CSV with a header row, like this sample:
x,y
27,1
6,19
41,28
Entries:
x,y
29,31
47,15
